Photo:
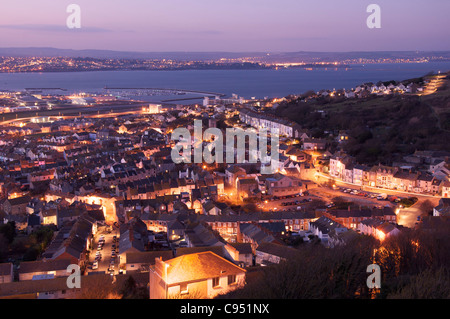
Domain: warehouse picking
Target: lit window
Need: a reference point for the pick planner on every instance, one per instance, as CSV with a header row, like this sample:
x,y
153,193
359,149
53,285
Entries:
x,y
184,289
231,279
215,281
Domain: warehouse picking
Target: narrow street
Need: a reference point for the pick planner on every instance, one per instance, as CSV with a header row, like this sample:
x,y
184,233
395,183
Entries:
x,y
106,251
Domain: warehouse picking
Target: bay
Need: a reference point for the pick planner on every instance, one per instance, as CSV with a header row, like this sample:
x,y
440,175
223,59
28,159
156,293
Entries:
x,y
247,83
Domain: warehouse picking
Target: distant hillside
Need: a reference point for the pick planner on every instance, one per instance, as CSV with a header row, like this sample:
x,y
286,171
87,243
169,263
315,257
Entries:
x,y
191,56
380,127
301,56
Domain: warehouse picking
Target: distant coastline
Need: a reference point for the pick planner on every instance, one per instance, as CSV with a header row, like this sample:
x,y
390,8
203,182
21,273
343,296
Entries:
x,y
43,60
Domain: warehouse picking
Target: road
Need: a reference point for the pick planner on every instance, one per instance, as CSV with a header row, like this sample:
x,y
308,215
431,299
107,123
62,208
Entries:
x,y
405,216
98,111
104,263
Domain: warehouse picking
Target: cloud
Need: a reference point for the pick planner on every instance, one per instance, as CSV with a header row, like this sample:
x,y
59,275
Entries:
x,y
52,28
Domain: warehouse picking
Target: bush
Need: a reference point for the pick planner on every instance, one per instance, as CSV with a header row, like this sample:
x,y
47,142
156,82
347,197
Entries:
x,y
408,202
31,254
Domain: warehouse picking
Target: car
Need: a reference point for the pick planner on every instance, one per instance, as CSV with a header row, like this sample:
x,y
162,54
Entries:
x,y
95,265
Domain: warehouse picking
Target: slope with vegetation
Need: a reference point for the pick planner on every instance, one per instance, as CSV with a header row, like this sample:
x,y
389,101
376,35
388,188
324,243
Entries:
x,y
380,127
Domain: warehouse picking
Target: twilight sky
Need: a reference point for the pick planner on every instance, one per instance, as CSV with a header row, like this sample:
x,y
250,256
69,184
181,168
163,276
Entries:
x,y
227,25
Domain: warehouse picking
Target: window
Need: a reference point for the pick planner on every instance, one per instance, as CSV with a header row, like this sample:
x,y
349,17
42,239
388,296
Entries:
x,y
215,281
184,289
231,279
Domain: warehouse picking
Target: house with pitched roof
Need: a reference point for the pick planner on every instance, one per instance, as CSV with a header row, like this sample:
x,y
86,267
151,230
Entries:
x,y
271,253
133,238
281,185
16,206
241,253
324,227
255,234
6,273
443,209
197,235
199,275
142,261
52,268
378,228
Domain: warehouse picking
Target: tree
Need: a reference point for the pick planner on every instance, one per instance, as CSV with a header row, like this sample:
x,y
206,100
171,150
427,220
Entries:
x,y
21,244
427,285
317,272
128,288
98,287
3,247
31,254
426,208
9,231
43,236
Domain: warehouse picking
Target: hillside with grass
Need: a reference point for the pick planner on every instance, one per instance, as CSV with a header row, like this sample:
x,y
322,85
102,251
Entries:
x,y
381,128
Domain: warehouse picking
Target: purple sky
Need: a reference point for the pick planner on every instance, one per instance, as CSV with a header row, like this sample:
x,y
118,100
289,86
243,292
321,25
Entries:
x,y
227,25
